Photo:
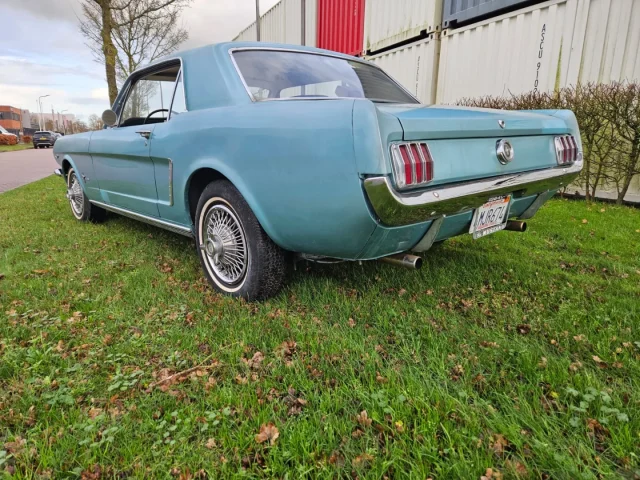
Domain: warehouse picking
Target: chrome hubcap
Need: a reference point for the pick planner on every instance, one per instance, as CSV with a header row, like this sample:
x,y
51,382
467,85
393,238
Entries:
x,y
225,245
75,195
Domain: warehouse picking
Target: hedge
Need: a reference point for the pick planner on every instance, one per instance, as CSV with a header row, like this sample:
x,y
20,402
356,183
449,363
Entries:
x,y
609,120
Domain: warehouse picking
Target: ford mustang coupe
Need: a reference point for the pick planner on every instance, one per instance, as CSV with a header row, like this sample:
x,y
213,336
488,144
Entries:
x,y
261,150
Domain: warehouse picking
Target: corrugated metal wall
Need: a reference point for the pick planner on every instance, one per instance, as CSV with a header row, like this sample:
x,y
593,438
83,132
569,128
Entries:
x,y
341,25
283,24
415,66
551,45
389,23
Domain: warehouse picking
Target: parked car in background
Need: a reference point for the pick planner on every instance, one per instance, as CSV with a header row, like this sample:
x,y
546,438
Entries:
x,y
265,151
4,131
44,138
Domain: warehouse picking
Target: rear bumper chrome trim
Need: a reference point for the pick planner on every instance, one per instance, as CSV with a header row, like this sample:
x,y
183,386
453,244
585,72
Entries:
x,y
156,222
395,209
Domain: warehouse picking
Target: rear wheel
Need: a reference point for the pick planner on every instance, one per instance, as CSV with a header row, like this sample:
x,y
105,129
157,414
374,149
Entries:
x,y
81,208
238,257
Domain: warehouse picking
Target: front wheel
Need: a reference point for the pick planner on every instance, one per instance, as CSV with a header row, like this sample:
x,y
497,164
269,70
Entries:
x,y
238,257
81,208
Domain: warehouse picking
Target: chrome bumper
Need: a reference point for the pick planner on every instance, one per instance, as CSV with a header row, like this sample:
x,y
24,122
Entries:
x,y
394,209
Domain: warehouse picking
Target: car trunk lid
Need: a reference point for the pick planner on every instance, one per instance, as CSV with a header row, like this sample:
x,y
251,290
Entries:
x,y
421,122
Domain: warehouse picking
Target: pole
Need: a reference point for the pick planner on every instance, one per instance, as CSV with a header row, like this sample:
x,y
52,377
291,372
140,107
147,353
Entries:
x,y
38,114
258,20
53,118
303,8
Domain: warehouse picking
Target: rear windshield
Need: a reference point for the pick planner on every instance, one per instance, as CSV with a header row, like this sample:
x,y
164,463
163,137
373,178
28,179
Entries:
x,y
271,74
42,133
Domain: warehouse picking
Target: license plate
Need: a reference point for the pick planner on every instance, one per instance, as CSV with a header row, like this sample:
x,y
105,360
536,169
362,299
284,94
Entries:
x,y
490,217
43,138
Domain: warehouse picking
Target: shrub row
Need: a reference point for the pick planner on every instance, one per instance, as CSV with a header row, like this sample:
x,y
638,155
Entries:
x,y
27,139
8,139
609,119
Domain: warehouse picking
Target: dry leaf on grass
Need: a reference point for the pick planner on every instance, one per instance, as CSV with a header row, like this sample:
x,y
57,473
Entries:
x,y
268,432
363,419
362,460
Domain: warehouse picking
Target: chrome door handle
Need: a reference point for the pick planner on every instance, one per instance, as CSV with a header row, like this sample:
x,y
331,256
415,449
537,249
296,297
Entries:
x,y
144,133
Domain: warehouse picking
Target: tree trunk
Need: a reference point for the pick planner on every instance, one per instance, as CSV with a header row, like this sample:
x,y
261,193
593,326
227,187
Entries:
x,y
109,50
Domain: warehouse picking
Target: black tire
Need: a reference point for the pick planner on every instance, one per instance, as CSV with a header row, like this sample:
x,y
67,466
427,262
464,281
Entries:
x,y
81,207
260,265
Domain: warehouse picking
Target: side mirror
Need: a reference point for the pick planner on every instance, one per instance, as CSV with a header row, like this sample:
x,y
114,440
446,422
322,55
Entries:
x,y
109,117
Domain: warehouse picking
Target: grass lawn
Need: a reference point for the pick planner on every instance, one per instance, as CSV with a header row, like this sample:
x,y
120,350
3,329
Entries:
x,y
518,353
13,148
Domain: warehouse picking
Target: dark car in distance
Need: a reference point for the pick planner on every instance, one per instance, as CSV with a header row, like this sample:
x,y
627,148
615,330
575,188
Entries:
x,y
44,139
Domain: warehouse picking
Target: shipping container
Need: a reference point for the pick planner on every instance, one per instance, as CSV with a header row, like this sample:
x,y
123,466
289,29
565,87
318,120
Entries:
x,y
458,12
283,24
544,47
414,66
389,23
341,25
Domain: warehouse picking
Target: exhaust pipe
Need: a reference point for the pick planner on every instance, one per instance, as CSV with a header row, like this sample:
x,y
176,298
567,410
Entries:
x,y
405,260
516,226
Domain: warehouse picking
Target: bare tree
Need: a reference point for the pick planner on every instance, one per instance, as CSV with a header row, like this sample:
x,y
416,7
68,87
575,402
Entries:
x,y
95,122
127,33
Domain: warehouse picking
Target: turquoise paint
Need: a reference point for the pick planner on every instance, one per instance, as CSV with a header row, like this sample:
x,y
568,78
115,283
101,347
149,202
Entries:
x,y
299,164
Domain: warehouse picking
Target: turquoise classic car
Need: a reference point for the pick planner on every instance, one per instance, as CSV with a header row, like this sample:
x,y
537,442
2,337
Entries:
x,y
265,152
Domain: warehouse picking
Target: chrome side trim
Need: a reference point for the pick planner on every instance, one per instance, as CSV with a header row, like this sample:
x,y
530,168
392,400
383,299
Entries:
x,y
310,52
156,222
393,208
170,182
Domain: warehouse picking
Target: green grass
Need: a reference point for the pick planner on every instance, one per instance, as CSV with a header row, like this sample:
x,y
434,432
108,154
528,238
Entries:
x,y
517,352
13,148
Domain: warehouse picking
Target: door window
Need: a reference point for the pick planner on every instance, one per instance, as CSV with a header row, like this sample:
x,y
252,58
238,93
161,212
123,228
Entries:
x,y
178,105
149,98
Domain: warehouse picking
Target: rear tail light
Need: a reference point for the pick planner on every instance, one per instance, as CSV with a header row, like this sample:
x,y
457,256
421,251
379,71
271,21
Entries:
x,y
412,164
566,149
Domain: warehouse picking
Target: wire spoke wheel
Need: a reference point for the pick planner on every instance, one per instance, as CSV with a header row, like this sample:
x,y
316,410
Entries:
x,y
225,244
75,195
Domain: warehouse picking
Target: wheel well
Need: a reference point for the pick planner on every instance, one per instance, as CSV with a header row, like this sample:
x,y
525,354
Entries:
x,y
197,183
66,165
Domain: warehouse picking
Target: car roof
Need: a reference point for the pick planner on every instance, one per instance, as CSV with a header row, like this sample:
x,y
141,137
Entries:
x,y
186,54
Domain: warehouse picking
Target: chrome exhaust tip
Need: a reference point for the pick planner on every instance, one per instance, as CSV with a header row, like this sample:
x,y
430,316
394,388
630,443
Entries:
x,y
516,226
405,260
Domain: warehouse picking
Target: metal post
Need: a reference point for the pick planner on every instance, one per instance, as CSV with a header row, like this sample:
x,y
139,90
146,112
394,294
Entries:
x,y
258,20
303,8
53,118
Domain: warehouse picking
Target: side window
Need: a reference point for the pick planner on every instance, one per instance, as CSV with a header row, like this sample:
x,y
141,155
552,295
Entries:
x,y
178,105
149,98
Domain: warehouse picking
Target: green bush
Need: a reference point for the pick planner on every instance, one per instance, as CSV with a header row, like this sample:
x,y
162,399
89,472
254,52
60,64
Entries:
x,y
8,139
609,119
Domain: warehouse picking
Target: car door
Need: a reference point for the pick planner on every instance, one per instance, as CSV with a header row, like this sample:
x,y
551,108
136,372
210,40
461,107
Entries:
x,y
121,155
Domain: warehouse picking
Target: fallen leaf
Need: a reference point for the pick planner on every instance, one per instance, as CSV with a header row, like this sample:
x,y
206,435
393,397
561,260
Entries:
x,y
499,444
523,328
517,467
363,419
362,460
211,444
94,412
575,366
351,322
268,432
399,426
584,220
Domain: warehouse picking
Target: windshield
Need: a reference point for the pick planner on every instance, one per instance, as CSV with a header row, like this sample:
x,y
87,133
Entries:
x,y
2,130
271,74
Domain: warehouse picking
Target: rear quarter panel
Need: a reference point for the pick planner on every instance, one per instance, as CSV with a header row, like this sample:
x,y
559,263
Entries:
x,y
293,161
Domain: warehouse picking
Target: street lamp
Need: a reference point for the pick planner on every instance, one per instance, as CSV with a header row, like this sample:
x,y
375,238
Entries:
x,y
40,105
64,124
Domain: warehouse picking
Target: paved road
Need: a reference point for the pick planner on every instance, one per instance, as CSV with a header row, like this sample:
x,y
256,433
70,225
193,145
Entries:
x,y
25,166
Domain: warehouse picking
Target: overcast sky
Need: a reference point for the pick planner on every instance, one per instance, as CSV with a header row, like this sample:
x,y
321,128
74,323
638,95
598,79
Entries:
x,y
42,51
